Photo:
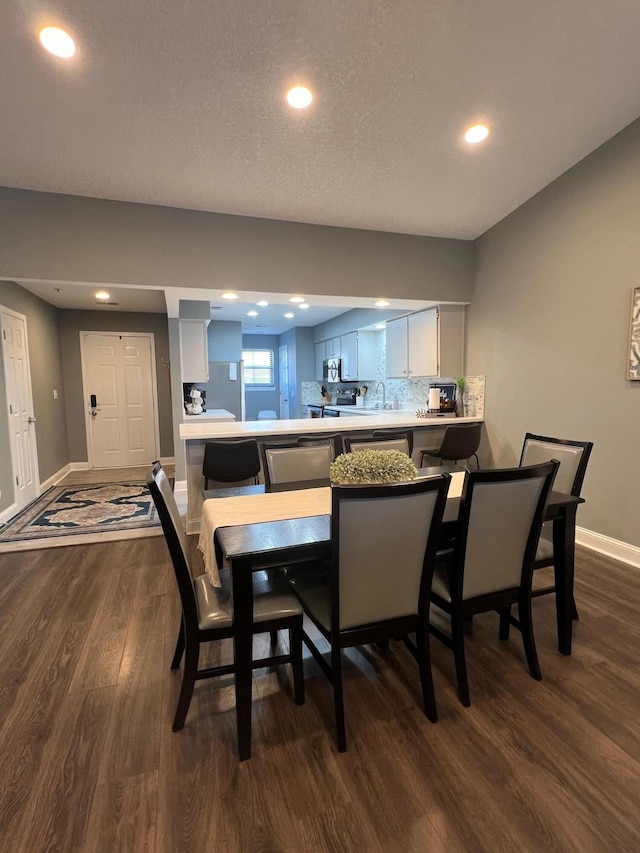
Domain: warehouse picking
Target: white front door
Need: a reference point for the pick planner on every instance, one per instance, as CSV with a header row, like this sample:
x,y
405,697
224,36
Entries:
x,y
118,374
283,362
22,429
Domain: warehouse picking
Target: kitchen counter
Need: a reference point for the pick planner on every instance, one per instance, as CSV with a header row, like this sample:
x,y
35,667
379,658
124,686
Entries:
x,y
196,432
386,418
218,415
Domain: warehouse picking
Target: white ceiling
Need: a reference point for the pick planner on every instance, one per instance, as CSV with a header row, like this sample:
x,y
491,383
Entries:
x,y
181,104
270,319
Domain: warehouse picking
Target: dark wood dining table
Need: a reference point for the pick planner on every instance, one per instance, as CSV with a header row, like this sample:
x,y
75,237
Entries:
x,y
251,547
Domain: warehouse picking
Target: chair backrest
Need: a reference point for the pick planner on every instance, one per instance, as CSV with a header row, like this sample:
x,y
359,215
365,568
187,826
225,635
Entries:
x,y
499,522
294,463
334,440
384,541
460,441
175,537
231,461
572,455
383,440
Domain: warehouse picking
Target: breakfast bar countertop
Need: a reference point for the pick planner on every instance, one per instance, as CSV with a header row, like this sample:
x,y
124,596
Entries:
x,y
197,429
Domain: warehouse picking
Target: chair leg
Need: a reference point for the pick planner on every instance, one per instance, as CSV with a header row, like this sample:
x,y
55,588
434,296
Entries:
x,y
338,698
177,655
426,674
526,628
477,461
505,622
274,639
295,646
574,615
188,682
457,635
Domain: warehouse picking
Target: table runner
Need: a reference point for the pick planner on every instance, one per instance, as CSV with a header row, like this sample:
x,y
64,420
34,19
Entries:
x,y
251,509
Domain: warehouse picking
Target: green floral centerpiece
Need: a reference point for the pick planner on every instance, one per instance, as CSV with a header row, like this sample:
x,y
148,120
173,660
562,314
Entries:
x,y
372,466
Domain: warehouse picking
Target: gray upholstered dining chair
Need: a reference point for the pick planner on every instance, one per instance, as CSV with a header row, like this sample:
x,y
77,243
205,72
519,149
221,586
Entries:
x,y
573,457
333,439
295,463
207,612
491,563
384,540
383,440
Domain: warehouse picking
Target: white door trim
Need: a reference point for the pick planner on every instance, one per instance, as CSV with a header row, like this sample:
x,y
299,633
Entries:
x,y
34,443
85,394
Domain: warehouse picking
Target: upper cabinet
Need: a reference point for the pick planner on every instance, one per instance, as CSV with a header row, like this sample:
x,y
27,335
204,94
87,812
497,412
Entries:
x,y
429,343
358,353
194,350
333,348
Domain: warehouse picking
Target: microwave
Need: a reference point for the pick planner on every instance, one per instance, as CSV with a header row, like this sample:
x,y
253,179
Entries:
x,y
332,370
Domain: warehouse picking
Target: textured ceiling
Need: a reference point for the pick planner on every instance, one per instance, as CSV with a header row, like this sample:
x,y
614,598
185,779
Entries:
x,y
181,104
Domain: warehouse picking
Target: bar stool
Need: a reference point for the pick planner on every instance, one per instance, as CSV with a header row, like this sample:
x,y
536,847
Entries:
x,y
459,442
231,461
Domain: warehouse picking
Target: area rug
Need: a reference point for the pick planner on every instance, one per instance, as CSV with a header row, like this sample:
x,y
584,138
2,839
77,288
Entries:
x,y
67,511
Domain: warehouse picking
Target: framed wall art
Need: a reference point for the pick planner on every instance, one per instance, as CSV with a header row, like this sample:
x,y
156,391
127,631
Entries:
x,y
634,336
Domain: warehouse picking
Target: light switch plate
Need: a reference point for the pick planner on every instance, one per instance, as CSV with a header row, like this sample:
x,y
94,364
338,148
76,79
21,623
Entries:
x,y
55,394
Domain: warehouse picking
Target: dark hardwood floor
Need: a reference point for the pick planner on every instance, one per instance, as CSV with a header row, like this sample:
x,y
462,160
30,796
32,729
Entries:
x,y
88,761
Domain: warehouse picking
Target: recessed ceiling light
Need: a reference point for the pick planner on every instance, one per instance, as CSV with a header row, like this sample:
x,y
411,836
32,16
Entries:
x,y
252,313
57,42
382,303
229,295
296,299
303,305
299,97
380,326
103,295
262,303
477,133
289,315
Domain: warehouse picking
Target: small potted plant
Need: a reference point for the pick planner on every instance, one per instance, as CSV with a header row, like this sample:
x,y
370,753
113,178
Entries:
x,y
372,466
461,386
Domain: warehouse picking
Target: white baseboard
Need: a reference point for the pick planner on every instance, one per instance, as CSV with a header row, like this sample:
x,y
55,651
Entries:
x,y
613,548
8,513
79,466
55,478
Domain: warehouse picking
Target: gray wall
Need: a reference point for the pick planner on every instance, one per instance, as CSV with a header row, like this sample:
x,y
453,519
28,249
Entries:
x,y
69,238
225,341
258,398
549,326
74,322
46,375
301,356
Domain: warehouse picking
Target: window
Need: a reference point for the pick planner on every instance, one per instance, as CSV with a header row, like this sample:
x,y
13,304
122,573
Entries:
x,y
259,367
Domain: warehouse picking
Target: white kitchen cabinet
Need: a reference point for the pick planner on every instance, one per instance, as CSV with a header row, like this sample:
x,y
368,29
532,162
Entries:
x,y
428,343
319,360
332,348
358,353
194,350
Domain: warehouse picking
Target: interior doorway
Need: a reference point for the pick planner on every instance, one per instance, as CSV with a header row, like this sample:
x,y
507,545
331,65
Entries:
x,y
120,398
22,422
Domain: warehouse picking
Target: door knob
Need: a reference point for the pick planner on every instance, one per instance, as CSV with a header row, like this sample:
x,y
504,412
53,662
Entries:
x,y
31,420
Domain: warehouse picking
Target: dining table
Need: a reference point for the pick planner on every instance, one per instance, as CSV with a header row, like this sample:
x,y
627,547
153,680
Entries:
x,y
250,528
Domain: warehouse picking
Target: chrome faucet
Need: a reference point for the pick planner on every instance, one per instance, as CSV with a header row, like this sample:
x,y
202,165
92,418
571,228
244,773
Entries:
x,y
384,393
